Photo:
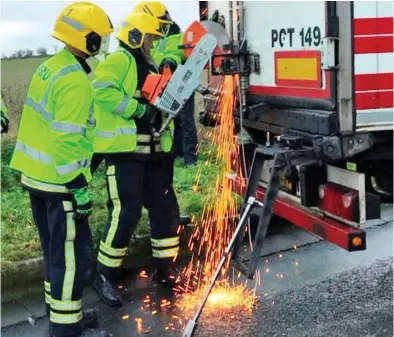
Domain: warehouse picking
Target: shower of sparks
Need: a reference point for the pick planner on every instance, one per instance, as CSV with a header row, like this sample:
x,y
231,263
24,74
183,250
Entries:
x,y
215,228
212,232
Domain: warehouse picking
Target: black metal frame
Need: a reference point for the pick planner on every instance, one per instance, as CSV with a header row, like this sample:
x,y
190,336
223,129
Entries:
x,y
290,154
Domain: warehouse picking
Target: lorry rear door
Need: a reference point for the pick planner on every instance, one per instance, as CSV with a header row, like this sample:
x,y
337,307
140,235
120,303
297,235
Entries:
x,y
373,64
296,57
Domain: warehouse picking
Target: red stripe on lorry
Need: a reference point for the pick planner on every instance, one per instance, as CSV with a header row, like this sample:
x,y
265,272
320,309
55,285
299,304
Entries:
x,y
373,44
374,100
368,82
373,26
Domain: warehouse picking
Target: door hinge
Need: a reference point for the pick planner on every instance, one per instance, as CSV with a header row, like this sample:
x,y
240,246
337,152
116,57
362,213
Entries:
x,y
328,53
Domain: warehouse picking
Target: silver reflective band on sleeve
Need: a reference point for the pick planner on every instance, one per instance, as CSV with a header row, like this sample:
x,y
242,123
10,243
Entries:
x,y
119,131
102,85
33,153
70,168
122,105
39,107
68,127
76,25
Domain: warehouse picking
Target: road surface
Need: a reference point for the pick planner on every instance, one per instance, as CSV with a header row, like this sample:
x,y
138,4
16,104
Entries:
x,y
313,291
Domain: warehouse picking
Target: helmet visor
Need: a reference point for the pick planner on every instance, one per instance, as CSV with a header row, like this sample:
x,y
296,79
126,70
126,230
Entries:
x,y
104,47
136,38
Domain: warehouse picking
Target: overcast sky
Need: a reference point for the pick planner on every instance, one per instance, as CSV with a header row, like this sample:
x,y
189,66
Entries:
x,y
28,24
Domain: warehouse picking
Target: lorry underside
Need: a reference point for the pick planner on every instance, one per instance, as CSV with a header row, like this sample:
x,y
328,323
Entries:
x,y
334,191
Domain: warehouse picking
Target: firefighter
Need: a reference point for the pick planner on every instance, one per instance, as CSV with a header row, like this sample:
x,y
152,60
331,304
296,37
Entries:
x,y
4,118
53,153
139,164
167,53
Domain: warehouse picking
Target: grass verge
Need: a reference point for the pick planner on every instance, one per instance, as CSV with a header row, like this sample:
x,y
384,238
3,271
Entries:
x,y
19,235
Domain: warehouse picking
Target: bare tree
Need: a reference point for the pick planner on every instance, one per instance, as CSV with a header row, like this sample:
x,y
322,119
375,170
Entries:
x,y
27,53
18,54
42,51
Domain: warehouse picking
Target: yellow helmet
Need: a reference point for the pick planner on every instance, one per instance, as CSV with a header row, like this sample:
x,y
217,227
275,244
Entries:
x,y
136,27
84,26
157,10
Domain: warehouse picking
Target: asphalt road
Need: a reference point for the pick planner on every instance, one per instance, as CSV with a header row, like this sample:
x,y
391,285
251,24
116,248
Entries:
x,y
314,291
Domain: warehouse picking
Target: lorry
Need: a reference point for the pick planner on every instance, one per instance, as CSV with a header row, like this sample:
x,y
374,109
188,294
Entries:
x,y
318,74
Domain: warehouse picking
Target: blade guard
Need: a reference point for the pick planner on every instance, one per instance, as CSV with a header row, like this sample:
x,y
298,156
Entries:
x,y
155,84
192,35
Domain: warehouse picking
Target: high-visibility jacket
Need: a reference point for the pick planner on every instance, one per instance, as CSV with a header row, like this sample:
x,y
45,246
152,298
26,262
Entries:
x,y
52,150
3,107
167,48
117,85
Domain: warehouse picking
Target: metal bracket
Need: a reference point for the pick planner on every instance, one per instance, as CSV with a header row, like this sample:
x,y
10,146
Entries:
x,y
328,53
236,59
293,154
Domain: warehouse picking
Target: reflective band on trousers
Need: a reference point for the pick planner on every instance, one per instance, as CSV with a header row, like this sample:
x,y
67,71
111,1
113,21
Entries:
x,y
65,318
168,242
41,106
119,131
66,305
165,253
69,256
69,168
109,262
47,286
33,153
122,105
119,252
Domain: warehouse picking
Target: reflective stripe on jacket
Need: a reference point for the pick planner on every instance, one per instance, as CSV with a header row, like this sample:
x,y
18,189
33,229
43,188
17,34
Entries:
x,y
52,146
116,97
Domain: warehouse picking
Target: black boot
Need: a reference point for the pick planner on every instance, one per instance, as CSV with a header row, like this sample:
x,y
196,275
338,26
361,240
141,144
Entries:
x,y
174,279
107,292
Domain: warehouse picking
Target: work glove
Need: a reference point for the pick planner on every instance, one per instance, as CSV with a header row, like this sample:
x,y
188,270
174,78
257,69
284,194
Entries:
x,y
145,112
168,62
83,203
4,123
218,18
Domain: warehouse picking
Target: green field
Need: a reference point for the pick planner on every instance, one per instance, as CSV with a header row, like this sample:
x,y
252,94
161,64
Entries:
x,y
18,233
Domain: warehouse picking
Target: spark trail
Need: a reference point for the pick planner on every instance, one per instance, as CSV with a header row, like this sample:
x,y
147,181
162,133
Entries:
x,y
218,220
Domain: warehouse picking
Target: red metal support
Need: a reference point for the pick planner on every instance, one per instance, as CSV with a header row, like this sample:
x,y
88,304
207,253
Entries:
x,y
346,237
